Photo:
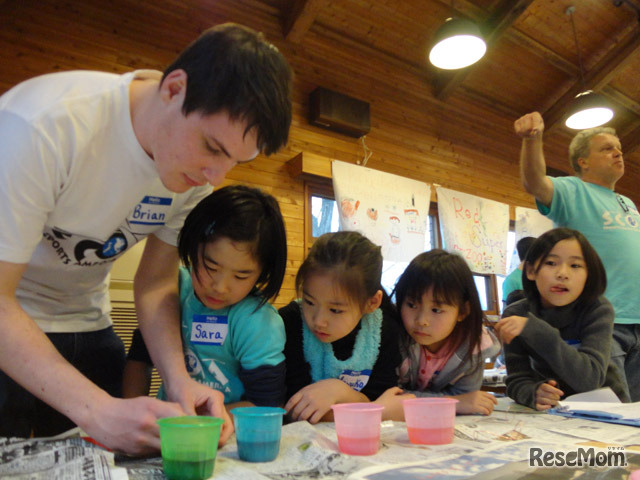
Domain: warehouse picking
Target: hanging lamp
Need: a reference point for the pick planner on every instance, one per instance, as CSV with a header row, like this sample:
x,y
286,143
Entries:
x,y
458,43
588,109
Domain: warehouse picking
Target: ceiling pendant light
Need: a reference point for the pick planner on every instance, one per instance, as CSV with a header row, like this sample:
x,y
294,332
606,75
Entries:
x,y
457,44
588,109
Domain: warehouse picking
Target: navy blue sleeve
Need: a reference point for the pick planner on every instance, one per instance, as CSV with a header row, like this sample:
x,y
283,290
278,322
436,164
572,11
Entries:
x,y
298,373
384,374
265,385
138,349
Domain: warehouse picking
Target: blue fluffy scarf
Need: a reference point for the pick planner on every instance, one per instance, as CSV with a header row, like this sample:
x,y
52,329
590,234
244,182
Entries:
x,y
320,355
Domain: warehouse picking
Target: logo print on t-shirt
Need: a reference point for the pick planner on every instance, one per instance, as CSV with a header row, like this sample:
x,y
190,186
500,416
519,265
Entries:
x,y
75,249
193,364
115,244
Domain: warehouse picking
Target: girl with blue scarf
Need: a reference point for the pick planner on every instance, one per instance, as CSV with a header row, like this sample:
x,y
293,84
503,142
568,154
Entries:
x,y
342,340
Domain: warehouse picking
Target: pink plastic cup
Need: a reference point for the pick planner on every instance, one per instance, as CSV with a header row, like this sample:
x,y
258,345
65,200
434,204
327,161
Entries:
x,y
430,421
358,427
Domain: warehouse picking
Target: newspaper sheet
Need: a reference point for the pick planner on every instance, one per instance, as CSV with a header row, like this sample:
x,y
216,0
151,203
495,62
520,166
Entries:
x,y
63,459
482,444
497,463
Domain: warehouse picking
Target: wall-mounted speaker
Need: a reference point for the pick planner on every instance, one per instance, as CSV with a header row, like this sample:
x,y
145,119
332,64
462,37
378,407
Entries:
x,y
338,112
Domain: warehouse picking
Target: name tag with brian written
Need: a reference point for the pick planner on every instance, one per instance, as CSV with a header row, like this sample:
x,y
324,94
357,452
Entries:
x,y
151,211
209,329
355,379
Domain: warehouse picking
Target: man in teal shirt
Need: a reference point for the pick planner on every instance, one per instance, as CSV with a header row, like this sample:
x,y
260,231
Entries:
x,y
587,202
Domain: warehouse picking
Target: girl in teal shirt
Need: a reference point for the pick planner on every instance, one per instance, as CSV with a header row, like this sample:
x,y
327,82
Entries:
x,y
234,251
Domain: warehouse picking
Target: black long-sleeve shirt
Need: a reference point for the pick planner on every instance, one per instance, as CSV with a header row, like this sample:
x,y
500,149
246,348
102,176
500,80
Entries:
x,y
570,344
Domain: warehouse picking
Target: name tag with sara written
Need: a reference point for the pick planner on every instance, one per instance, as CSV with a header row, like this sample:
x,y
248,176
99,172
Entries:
x,y
356,379
209,329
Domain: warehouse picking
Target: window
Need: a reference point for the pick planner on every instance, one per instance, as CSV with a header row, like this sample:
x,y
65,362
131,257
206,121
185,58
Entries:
x,y
321,211
486,286
512,262
324,216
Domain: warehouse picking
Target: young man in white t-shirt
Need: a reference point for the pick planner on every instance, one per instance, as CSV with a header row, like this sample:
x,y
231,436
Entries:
x,y
91,163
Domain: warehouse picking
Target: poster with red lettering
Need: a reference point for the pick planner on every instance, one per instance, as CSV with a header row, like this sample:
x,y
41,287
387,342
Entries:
x,y
476,228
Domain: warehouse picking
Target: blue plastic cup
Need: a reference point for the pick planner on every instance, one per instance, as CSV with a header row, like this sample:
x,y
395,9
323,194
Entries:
x,y
258,431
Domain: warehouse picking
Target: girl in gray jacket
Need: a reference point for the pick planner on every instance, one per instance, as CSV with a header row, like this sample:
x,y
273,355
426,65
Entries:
x,y
445,344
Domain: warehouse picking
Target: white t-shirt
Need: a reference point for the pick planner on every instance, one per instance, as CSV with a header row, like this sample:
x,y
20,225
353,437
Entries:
x,y
76,191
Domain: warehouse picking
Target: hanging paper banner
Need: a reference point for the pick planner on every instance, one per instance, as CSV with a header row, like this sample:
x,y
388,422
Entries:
x,y
390,210
476,228
531,223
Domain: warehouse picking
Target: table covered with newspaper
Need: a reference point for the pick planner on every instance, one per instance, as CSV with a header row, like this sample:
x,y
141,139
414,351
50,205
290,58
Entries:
x,y
513,442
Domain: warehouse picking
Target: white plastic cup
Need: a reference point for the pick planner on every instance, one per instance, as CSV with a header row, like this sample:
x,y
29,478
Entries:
x,y
431,420
358,427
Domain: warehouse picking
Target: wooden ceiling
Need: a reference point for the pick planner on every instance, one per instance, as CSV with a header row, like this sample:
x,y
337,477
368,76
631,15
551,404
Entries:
x,y
531,63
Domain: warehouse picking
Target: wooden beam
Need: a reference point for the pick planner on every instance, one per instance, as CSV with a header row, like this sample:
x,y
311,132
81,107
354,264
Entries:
x,y
631,141
548,55
621,99
342,40
298,16
468,8
596,78
307,165
488,103
507,12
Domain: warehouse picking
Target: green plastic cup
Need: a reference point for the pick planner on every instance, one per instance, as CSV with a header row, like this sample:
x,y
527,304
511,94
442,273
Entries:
x,y
189,446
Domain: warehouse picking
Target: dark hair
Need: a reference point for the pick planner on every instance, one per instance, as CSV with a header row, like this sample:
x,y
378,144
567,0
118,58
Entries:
x,y
233,68
241,214
596,282
514,296
452,282
352,258
523,246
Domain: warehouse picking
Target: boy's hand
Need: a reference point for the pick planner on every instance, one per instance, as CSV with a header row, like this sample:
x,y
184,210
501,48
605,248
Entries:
x,y
129,425
198,399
